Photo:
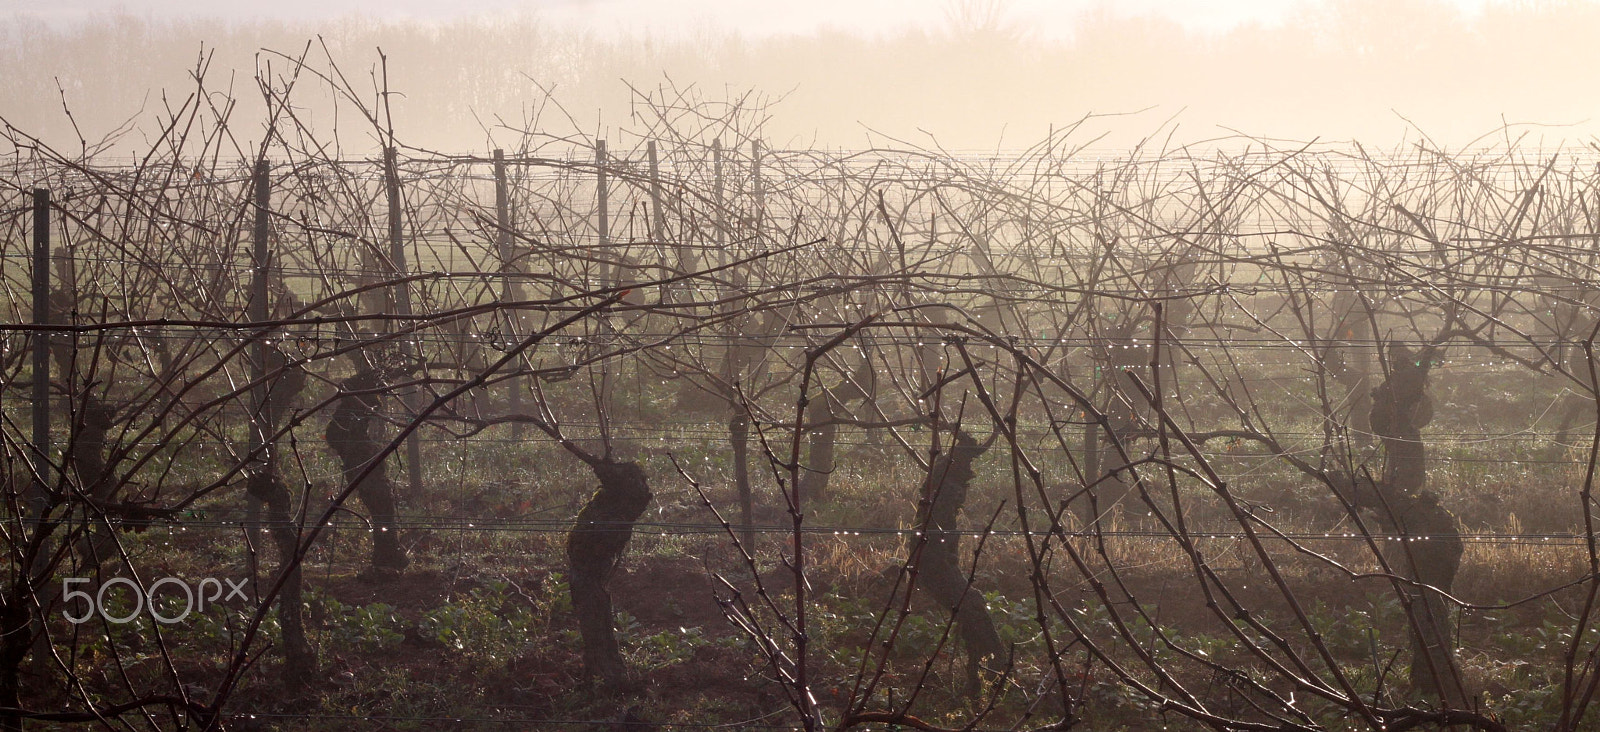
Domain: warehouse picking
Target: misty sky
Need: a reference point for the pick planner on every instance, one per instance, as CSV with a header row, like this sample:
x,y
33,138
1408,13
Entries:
x,y
1379,71
1045,18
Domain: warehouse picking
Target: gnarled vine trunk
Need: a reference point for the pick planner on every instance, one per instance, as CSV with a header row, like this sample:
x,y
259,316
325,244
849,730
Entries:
x,y
1117,356
739,435
87,464
602,532
938,557
822,439
266,485
352,437
1430,548
17,634
299,660
1347,361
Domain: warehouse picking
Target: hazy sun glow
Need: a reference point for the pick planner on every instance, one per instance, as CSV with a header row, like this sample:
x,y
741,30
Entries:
x,y
1045,18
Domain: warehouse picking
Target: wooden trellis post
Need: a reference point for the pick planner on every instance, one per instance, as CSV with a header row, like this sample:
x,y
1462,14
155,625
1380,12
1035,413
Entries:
x,y
400,296
603,224
604,230
658,226
41,344
716,192
510,287
733,365
755,186
256,310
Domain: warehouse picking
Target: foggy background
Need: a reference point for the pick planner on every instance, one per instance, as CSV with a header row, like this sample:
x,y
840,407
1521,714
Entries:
x,y
963,75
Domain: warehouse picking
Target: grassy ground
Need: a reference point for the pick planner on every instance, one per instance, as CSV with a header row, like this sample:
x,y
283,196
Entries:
x,y
479,629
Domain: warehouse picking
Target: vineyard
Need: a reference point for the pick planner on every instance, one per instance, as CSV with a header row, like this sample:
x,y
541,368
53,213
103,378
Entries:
x,y
673,428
